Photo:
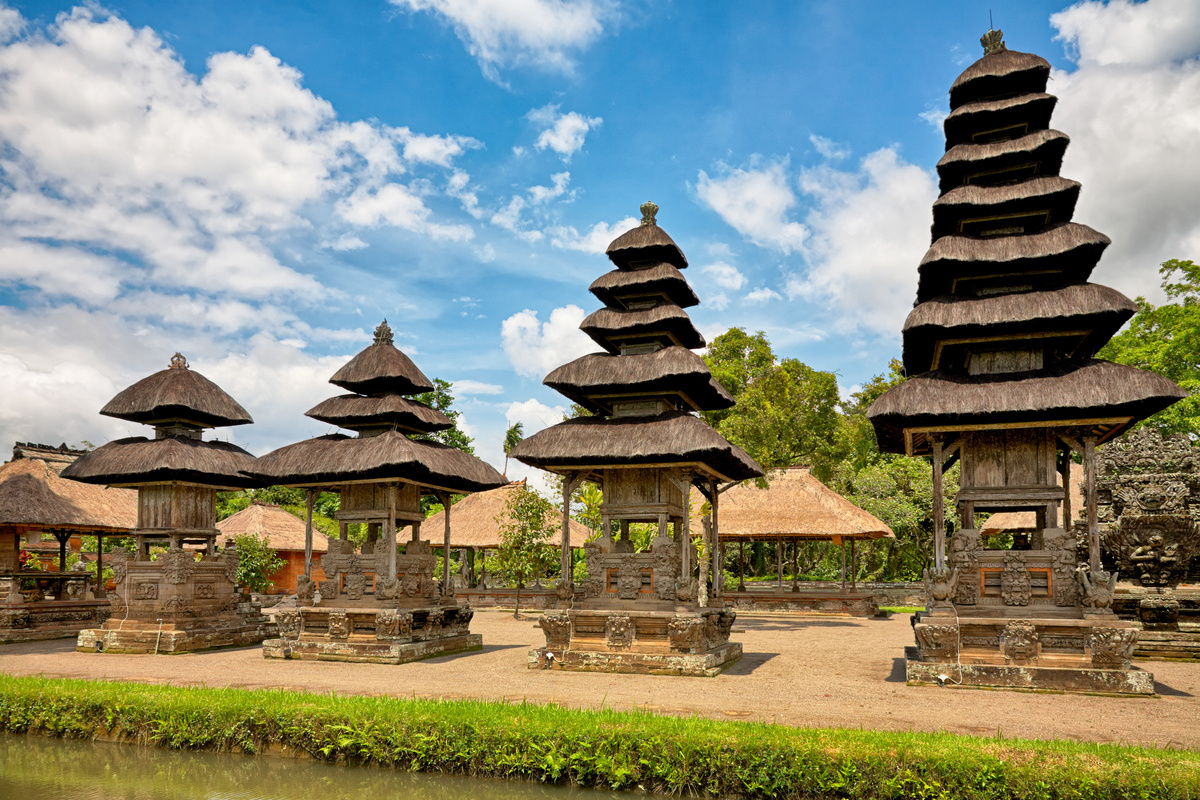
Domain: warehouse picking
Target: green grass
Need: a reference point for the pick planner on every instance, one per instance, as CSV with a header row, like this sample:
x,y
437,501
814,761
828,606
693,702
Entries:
x,y
604,749
902,609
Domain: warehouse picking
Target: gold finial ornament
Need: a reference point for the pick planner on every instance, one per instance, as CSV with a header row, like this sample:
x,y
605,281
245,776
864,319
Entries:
x,y
178,361
648,210
383,334
993,42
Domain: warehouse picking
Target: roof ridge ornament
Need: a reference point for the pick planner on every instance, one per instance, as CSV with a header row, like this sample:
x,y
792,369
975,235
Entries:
x,y
648,210
993,42
383,334
178,362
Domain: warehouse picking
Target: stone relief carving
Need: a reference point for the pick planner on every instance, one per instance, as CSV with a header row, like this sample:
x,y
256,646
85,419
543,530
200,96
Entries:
x,y
410,584
305,586
1147,450
557,628
392,624
179,604
328,589
119,557
145,591
339,625
1112,647
232,562
629,580
178,565
387,588
14,618
433,623
1097,588
940,584
964,546
1019,642
938,641
618,630
355,585
687,634
288,622
117,605
1015,587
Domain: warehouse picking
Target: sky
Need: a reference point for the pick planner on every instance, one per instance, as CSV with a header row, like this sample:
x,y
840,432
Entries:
x,y
258,185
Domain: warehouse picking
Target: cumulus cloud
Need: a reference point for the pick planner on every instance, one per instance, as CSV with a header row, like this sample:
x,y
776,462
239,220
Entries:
x,y
440,150
543,194
470,387
543,33
562,133
1120,32
595,240
755,202
725,275
533,415
828,148
762,294
397,205
534,347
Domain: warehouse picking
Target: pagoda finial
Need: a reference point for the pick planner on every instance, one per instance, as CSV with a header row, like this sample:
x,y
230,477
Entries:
x,y
648,210
993,42
178,361
383,334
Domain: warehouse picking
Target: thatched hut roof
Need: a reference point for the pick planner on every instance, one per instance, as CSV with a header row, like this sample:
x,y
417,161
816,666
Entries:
x,y
355,411
177,395
1063,392
334,459
1060,253
381,368
1030,111
33,494
669,438
1052,196
1004,73
795,505
1037,153
670,370
137,460
645,245
609,326
660,279
473,521
283,530
1089,312
1027,520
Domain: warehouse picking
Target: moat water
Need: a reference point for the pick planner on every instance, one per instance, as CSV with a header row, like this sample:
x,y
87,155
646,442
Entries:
x,y
38,768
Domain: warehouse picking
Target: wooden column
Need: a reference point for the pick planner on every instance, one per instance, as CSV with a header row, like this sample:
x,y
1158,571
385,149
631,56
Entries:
x,y
939,515
389,534
308,531
482,582
843,565
779,565
1089,473
741,566
62,538
685,531
853,568
718,551
1067,511
100,593
445,498
795,565
570,483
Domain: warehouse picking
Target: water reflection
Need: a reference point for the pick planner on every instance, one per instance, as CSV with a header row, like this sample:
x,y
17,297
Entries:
x,y
51,769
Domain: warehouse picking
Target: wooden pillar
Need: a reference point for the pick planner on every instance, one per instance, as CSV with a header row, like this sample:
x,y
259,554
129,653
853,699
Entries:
x,y
308,531
853,568
843,565
685,531
389,534
795,565
445,498
565,574
779,565
1089,473
482,582
718,551
939,516
741,565
1067,511
100,566
62,538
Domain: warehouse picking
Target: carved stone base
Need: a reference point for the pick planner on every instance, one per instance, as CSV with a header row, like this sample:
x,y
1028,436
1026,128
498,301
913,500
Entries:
x,y
704,665
374,635
39,621
369,650
1131,682
848,603
146,637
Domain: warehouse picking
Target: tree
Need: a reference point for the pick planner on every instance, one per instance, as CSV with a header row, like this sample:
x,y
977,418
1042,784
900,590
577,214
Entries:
x,y
1166,339
256,561
512,438
525,527
736,359
441,400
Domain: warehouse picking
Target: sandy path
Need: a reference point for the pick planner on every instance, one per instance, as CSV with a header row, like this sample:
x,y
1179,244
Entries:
x,y
804,671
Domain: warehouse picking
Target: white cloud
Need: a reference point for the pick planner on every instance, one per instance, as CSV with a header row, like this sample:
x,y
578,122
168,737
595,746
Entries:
x,y
533,415
935,116
755,202
562,133
509,218
828,148
515,32
761,295
470,387
595,240
344,243
534,347
440,150
1119,32
397,205
542,194
725,275
717,302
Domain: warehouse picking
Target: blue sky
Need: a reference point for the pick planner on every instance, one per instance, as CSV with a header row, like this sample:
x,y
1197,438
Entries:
x,y
258,184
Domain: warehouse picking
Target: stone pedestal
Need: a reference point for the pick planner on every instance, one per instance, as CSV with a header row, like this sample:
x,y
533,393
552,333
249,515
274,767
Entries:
x,y
49,619
372,635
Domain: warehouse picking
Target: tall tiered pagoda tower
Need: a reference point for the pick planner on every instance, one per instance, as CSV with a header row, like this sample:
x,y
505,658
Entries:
x,y
178,600
646,448
374,604
1000,352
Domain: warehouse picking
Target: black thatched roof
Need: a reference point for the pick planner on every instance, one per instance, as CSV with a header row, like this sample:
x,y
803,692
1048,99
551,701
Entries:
x,y
1096,311
1005,73
661,279
137,460
355,411
382,368
975,121
177,395
1063,392
1066,252
671,438
1050,199
609,326
391,455
666,371
1032,155
645,245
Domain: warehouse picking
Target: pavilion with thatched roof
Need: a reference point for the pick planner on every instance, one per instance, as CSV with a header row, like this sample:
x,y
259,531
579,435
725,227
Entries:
x,y
35,500
284,532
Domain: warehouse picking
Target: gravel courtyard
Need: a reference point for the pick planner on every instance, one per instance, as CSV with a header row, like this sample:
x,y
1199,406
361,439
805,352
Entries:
x,y
804,671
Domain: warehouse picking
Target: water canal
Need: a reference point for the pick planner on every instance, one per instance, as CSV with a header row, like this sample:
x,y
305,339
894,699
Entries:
x,y
38,768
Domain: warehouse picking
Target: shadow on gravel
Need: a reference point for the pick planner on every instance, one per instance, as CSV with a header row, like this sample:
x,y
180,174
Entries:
x,y
1167,691
748,663
32,648
788,623
899,672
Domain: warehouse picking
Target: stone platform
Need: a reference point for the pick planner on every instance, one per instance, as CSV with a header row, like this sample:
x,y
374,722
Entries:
x,y
50,619
805,601
372,635
1133,681
366,649
148,637
702,665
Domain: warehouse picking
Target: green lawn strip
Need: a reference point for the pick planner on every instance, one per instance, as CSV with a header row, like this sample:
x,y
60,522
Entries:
x,y
902,609
603,749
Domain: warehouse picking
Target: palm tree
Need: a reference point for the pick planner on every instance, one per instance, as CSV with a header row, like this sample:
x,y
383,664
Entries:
x,y
512,438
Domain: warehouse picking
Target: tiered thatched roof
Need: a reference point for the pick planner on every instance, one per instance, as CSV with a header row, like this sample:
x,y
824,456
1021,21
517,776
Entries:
x,y
284,531
32,494
177,395
473,521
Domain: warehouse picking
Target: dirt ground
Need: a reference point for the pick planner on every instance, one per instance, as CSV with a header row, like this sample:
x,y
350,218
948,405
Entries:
x,y
803,671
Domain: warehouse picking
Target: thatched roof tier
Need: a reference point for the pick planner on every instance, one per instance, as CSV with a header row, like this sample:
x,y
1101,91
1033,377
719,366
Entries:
x,y
177,395
671,370
673,437
137,460
645,245
32,494
473,521
333,459
1018,208
1038,153
1007,72
282,530
355,411
620,286
382,368
1090,313
1058,254
795,505
991,120
1062,393
608,327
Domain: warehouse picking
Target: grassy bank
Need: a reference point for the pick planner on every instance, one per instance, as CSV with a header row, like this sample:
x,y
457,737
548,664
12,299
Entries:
x,y
604,749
